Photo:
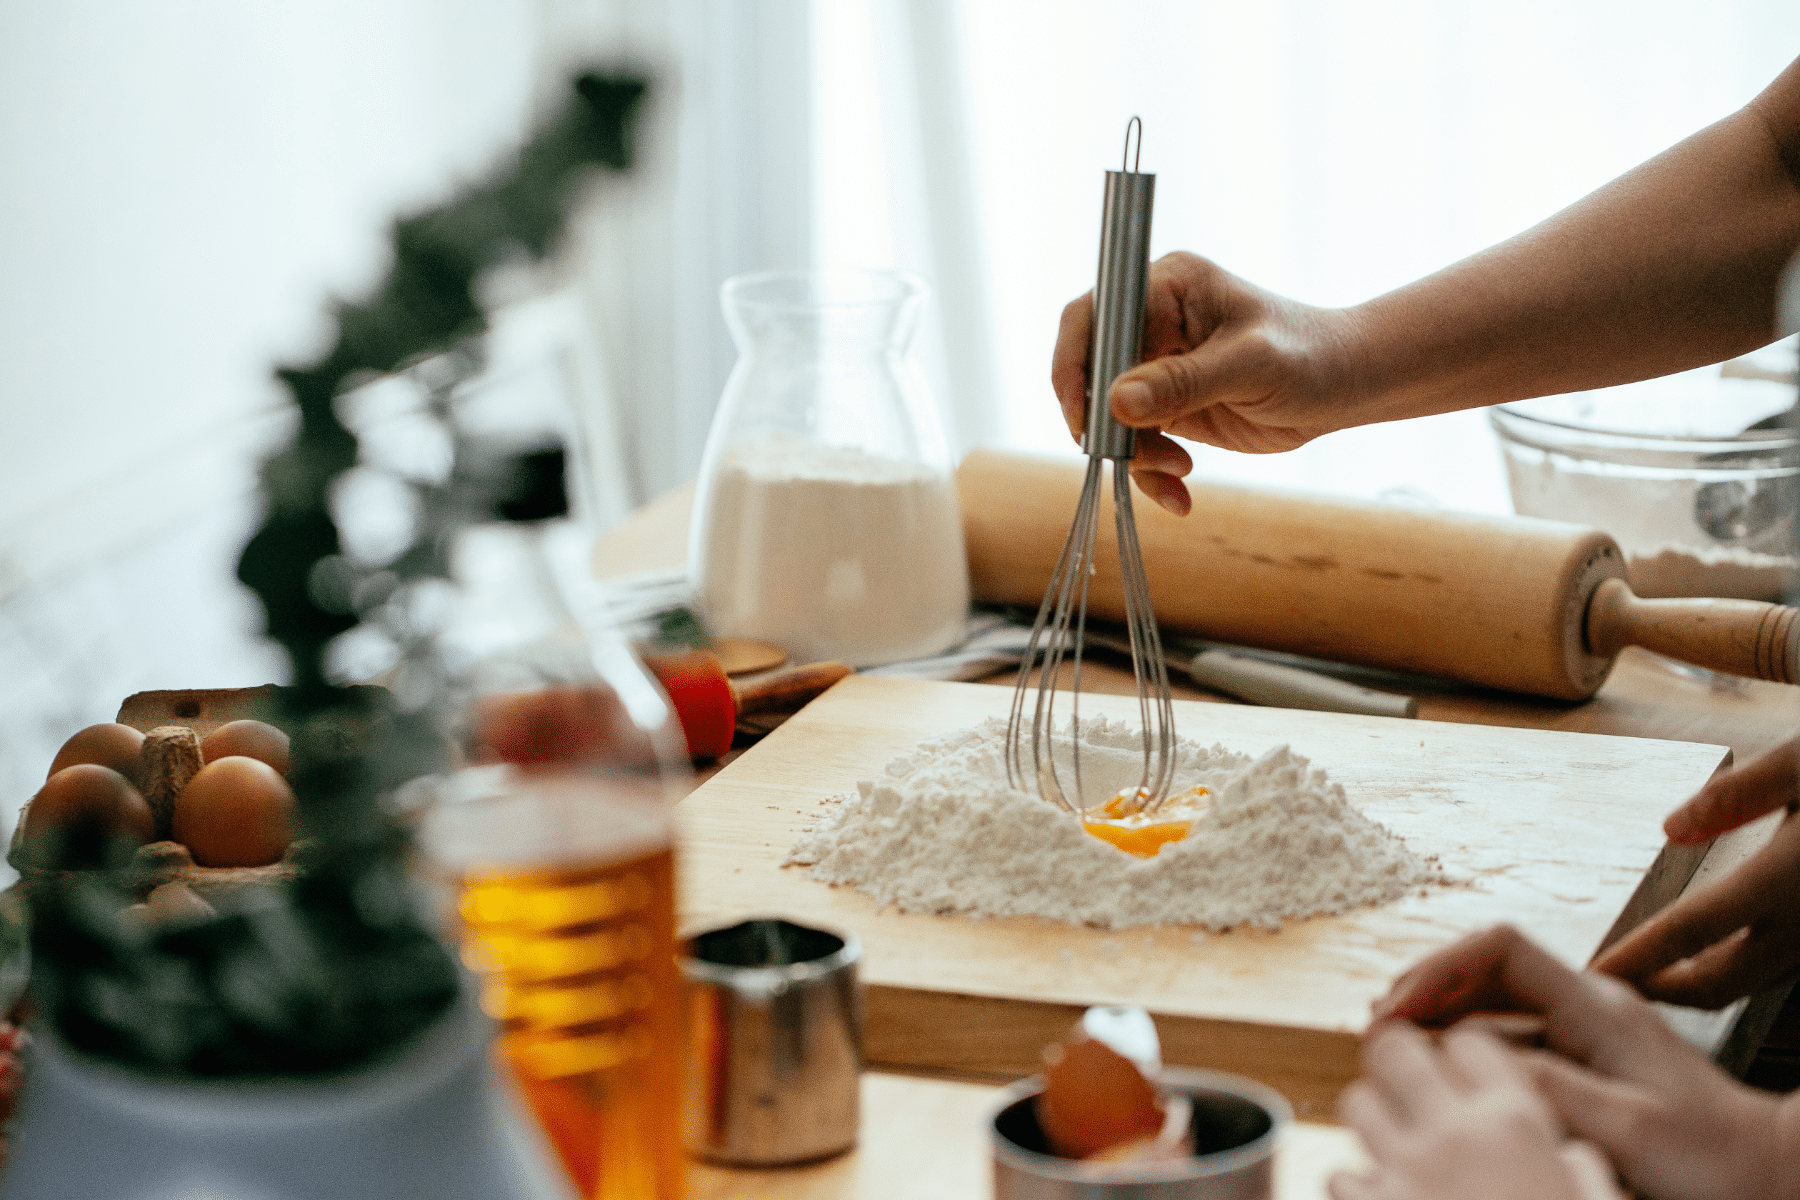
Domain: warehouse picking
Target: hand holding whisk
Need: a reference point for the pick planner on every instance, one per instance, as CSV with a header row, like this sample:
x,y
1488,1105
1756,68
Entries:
x,y
1061,623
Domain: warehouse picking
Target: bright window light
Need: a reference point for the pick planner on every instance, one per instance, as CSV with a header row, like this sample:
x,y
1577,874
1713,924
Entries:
x,y
1327,151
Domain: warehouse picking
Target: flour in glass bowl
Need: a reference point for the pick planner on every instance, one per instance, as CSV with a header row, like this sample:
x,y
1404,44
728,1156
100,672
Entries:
x,y
832,552
941,831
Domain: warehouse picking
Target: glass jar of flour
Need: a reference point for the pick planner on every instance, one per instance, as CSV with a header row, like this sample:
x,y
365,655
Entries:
x,y
826,520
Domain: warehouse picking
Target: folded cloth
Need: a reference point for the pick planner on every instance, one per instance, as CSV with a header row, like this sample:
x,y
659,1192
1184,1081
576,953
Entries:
x,y
996,641
990,643
638,605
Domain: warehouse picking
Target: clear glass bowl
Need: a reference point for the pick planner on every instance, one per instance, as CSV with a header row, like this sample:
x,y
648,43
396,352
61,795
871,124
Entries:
x,y
1694,475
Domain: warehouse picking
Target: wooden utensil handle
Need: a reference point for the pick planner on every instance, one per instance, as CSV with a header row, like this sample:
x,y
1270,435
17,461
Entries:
x,y
789,689
1744,637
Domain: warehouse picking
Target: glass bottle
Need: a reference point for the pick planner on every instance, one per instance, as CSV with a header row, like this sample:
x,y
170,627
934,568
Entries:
x,y
826,518
558,839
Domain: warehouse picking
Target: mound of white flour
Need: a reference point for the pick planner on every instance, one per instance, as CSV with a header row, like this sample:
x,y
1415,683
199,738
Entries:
x,y
943,832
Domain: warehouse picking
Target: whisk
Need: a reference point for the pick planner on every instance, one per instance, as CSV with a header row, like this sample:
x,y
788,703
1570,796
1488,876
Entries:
x,y
1061,624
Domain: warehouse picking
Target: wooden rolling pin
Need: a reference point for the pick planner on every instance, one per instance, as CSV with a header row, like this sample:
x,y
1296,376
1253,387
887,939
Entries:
x,y
1508,602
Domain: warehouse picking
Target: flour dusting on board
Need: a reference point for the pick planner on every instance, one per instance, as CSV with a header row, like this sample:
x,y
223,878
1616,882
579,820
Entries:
x,y
942,832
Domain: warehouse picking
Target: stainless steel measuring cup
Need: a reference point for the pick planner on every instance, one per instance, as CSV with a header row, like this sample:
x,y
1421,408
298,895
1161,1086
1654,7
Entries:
x,y
775,1043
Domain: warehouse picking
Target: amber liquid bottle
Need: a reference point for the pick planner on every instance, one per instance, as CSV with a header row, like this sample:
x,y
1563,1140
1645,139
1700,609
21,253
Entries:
x,y
559,838
578,967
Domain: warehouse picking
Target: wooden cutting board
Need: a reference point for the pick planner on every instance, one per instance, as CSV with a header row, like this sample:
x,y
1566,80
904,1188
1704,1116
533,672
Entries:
x,y
1558,833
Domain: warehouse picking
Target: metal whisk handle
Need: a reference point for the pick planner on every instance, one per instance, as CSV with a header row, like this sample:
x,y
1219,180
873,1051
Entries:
x,y
1118,304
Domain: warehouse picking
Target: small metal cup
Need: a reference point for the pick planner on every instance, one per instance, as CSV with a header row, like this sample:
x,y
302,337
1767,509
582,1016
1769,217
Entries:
x,y
1236,1124
775,1044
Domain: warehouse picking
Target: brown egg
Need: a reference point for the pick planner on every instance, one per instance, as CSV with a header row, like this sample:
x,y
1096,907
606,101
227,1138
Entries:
x,y
1094,1099
251,739
237,812
86,796
115,746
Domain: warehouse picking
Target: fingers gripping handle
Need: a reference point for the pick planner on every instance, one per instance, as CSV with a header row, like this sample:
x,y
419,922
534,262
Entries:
x,y
1118,307
1743,637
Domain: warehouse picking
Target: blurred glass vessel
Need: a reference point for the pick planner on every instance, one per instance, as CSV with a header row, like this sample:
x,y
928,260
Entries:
x,y
1694,475
558,839
566,904
826,519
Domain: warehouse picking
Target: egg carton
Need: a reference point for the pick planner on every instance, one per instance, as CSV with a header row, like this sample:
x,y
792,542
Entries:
x,y
201,710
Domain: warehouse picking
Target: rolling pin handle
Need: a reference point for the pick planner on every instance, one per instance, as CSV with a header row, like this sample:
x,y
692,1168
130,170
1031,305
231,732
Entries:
x,y
1742,637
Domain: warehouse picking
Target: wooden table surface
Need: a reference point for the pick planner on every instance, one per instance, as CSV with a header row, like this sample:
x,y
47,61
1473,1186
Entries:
x,y
924,1137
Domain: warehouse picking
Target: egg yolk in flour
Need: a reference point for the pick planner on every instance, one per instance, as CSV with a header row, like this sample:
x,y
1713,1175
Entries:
x,y
1144,834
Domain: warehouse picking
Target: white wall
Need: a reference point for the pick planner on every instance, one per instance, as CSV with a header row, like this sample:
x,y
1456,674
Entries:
x,y
721,185
1327,149
186,184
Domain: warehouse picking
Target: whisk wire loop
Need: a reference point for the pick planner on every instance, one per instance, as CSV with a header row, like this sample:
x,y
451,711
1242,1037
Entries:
x,y
1150,671
1057,636
1064,604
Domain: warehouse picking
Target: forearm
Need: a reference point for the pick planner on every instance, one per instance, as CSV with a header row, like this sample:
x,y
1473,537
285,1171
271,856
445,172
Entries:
x,y
1673,265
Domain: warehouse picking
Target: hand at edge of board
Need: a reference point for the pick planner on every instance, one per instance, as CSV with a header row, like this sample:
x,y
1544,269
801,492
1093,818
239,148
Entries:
x,y
1730,939
1671,1122
1459,1119
1740,934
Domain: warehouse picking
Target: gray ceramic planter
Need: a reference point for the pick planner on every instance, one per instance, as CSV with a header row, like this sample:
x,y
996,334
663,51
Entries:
x,y
434,1122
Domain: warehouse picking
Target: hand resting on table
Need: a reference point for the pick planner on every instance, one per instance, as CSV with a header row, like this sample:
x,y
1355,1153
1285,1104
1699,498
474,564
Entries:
x,y
1673,1125
1460,1120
